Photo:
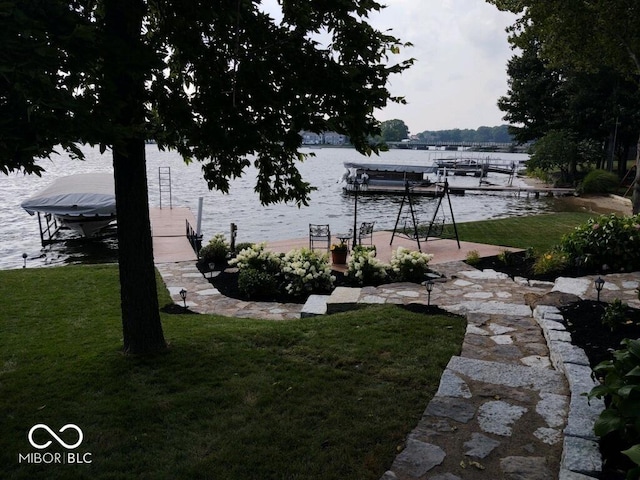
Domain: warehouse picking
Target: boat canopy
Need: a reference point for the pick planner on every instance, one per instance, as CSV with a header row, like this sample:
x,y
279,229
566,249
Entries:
x,y
390,167
84,194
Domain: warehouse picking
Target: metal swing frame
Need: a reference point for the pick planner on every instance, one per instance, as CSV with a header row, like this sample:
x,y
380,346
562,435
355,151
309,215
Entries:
x,y
433,224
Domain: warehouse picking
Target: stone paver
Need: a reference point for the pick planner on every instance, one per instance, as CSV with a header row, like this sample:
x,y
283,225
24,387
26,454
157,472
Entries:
x,y
511,403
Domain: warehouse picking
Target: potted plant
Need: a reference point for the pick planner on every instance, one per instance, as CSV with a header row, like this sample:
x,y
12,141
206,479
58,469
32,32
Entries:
x,y
339,253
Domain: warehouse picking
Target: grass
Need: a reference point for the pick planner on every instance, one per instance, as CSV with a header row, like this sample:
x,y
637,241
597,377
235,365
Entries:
x,y
326,398
539,232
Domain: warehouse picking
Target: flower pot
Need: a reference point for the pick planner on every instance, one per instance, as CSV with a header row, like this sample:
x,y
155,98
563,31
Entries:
x,y
339,257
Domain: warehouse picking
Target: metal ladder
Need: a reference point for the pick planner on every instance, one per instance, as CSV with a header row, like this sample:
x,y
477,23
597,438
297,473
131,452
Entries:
x,y
164,184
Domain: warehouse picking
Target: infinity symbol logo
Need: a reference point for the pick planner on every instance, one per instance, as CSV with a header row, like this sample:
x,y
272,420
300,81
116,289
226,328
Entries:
x,y
52,433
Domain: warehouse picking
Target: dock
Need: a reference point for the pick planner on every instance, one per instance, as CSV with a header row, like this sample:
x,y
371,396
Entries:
x,y
435,190
169,234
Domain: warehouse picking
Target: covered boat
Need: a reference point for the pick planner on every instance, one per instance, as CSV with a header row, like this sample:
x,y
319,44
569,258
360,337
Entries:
x,y
84,202
395,175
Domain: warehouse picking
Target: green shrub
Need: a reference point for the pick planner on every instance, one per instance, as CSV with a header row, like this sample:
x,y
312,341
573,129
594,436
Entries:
x,y
241,246
620,385
608,242
600,181
254,283
550,262
540,174
472,258
506,257
216,251
615,314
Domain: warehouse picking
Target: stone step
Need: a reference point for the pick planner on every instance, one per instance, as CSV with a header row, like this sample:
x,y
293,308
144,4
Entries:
x,y
314,306
343,299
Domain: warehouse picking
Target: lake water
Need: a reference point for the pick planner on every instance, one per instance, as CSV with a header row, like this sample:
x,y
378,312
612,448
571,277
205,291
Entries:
x,y
19,231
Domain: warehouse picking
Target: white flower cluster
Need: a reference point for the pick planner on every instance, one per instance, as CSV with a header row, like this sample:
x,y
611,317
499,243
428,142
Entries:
x,y
410,265
306,271
405,258
256,257
364,266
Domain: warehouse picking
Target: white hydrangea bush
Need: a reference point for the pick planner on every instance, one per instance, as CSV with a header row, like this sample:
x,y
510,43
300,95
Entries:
x,y
410,265
257,258
306,271
363,268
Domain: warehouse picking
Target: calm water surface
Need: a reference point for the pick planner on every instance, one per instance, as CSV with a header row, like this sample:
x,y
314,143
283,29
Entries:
x,y
19,231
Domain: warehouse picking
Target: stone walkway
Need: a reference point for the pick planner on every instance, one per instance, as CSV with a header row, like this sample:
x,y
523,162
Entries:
x,y
510,406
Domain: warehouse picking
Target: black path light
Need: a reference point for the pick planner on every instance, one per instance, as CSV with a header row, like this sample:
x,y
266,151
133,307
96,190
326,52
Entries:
x,y
24,260
429,286
183,296
599,283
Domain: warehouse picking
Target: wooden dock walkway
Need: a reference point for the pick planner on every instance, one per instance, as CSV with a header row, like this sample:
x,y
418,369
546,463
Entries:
x,y
169,234
433,191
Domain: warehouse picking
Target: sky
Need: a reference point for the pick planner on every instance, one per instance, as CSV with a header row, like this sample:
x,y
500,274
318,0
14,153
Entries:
x,y
461,53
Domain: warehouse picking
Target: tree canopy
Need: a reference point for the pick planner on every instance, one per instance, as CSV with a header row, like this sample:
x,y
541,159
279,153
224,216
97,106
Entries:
x,y
594,48
215,81
394,130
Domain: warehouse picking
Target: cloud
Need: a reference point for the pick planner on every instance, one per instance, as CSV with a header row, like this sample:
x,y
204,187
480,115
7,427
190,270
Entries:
x,y
461,52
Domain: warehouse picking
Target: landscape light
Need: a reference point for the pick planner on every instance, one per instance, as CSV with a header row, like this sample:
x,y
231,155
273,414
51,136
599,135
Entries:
x,y
183,295
429,286
599,282
24,260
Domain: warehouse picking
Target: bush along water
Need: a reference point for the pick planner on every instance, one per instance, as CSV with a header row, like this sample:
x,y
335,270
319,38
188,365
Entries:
x,y
605,243
599,181
216,251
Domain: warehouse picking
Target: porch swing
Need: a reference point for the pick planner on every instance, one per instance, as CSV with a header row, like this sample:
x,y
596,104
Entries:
x,y
434,229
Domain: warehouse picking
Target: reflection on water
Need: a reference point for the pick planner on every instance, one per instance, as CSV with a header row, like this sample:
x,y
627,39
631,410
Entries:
x,y
328,204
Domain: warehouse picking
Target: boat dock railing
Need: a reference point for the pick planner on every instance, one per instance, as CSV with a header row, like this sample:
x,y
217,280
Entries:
x,y
195,240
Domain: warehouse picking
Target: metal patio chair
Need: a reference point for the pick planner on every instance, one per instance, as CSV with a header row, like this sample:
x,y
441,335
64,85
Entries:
x,y
319,234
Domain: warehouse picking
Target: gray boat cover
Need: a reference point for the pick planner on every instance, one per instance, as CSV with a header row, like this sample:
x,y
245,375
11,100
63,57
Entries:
x,y
388,167
86,194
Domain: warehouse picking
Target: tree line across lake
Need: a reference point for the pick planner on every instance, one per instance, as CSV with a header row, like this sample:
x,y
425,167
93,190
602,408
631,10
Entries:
x,y
396,131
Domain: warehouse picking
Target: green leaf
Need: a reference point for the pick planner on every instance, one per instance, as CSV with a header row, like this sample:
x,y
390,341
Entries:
x,y
608,421
633,453
634,347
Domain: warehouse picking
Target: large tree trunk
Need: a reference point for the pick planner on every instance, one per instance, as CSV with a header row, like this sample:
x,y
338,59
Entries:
x,y
141,324
124,96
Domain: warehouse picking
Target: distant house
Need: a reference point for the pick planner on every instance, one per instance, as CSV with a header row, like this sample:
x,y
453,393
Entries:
x,y
324,138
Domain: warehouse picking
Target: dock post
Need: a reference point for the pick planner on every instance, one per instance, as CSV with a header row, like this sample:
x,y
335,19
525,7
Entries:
x,y
234,232
199,223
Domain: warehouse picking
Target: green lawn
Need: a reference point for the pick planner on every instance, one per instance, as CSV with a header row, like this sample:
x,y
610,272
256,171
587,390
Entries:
x,y
325,398
540,232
